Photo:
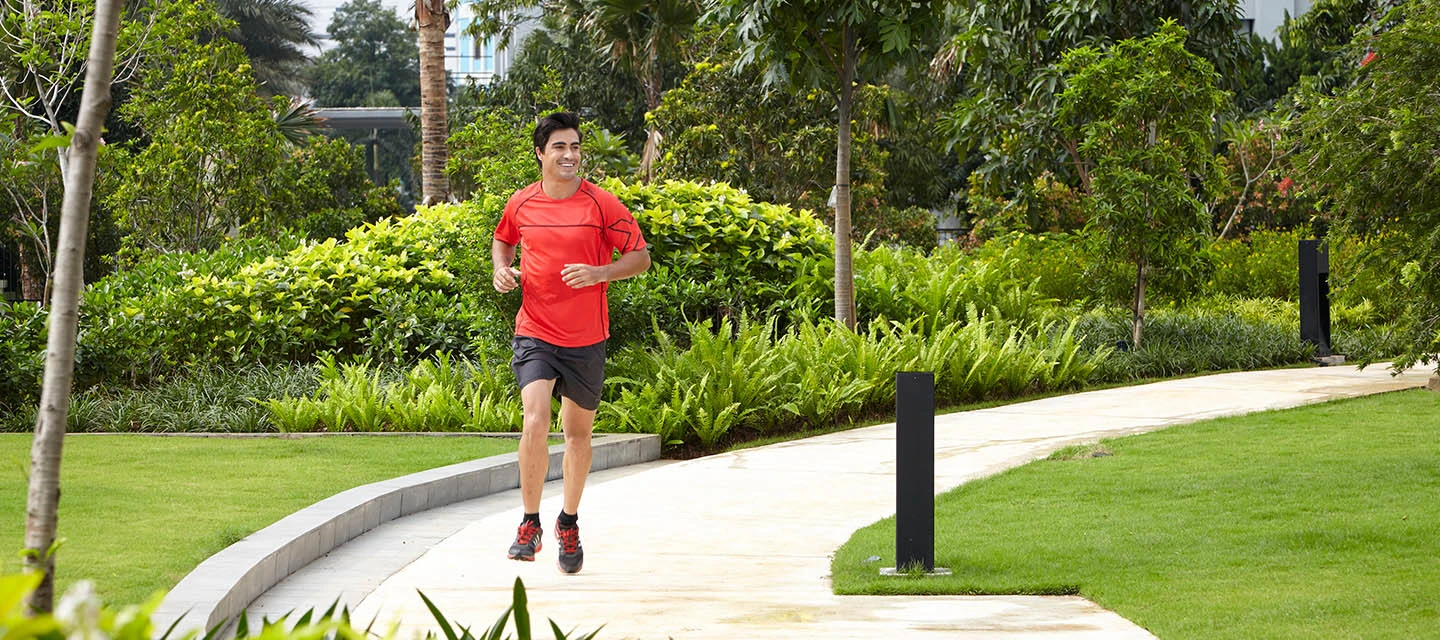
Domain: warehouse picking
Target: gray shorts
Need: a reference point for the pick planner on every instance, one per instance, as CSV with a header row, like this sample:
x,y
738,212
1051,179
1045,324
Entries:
x,y
578,372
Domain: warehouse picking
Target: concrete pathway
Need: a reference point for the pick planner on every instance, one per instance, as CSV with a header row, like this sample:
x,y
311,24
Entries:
x,y
738,545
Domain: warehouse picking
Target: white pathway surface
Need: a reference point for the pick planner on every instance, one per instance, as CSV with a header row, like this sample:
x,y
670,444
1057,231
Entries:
x,y
738,545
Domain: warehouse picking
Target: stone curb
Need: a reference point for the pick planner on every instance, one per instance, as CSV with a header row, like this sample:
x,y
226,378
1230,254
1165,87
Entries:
x,y
225,583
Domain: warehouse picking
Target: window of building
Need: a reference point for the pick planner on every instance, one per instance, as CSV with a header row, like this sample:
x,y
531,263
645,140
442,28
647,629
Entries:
x,y
1247,26
484,56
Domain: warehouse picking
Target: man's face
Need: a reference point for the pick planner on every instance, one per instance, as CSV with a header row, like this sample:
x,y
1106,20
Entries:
x,y
560,158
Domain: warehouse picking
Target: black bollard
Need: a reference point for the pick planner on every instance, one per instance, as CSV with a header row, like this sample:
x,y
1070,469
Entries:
x,y
1315,296
914,470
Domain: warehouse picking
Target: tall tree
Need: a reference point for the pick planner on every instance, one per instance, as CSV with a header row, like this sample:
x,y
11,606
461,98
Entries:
x,y
43,501
1371,154
208,161
42,61
43,56
641,36
559,56
1144,110
831,45
1007,56
32,188
374,54
274,34
432,18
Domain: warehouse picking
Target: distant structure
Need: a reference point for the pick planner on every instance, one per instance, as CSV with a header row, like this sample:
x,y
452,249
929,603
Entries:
x,y
466,58
1264,17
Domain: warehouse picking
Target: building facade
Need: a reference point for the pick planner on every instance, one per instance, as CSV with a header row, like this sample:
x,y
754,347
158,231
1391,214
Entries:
x,y
1264,17
467,58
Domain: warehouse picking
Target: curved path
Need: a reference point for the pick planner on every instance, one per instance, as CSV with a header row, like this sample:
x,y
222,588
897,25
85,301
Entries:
x,y
738,545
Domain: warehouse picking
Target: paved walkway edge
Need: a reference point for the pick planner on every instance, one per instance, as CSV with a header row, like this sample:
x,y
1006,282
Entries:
x,y
225,583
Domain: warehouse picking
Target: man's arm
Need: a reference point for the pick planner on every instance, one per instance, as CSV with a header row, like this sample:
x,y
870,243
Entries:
x,y
503,276
629,264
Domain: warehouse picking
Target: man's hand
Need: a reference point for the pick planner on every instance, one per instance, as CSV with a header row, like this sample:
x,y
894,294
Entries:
x,y
579,276
506,279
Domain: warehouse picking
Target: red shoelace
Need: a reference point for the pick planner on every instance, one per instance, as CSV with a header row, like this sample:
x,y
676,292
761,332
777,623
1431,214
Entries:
x,y
569,539
527,531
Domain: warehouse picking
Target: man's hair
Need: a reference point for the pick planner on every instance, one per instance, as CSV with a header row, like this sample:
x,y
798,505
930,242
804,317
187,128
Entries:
x,y
558,121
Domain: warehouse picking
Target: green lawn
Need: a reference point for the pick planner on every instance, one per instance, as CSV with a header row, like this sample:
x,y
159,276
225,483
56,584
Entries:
x,y
139,512
1318,522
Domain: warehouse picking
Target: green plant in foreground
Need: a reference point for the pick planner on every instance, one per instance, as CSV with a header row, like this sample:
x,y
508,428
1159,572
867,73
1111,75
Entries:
x,y
79,615
519,608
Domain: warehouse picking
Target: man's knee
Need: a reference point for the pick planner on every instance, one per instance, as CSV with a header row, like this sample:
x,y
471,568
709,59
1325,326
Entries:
x,y
535,424
575,437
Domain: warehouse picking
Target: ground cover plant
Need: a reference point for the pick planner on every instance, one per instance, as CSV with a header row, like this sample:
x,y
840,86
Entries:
x,y
1311,522
204,399
139,512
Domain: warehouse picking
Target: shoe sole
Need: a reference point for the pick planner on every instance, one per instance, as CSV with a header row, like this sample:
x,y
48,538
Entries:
x,y
567,571
524,558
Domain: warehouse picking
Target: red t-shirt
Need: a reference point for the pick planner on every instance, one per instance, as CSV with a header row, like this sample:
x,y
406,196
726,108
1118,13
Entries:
x,y
586,228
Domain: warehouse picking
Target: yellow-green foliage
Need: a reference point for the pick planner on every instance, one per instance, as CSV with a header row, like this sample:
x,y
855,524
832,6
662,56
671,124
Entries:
x,y
1265,265
317,296
718,228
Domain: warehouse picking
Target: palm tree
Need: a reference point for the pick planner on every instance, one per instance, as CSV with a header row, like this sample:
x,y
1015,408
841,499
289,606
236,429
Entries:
x,y
639,35
433,18
274,34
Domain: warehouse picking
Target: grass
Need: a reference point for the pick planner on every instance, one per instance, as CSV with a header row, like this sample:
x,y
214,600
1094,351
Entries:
x,y
139,512
1317,522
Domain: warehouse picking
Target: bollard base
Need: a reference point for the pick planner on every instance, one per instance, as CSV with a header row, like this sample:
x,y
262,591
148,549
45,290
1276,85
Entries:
x,y
892,571
1328,361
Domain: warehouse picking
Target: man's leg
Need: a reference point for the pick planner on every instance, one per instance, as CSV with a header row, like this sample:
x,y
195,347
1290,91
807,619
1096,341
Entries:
x,y
578,423
534,462
535,442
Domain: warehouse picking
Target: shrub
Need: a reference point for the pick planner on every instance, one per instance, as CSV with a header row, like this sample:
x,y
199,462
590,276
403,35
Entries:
x,y
900,226
905,284
315,298
1068,267
1192,341
324,186
1363,279
203,399
1264,265
22,348
492,155
438,394
717,253
718,229
751,379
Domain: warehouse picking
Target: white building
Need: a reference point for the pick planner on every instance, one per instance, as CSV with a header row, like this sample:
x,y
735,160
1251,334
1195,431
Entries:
x,y
1264,17
466,58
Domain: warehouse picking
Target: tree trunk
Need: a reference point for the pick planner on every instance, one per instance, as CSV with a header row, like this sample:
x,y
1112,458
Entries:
x,y
652,138
651,80
43,501
844,270
32,277
433,19
1137,306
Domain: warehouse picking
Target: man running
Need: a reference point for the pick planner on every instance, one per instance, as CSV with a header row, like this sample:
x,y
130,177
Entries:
x,y
568,231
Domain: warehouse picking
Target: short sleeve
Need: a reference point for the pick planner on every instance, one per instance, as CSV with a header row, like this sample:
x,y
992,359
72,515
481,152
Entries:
x,y
621,230
506,231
